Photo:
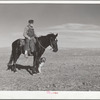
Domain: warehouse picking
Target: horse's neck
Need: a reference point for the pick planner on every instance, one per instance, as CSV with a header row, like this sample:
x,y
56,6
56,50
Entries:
x,y
44,41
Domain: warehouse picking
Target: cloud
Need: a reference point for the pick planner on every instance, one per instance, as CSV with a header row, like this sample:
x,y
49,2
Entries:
x,y
71,35
74,27
75,35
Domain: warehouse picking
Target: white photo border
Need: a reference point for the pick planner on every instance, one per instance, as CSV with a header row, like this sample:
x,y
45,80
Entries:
x,y
49,94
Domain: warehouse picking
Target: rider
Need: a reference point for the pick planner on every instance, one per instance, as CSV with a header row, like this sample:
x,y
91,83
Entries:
x,y
29,35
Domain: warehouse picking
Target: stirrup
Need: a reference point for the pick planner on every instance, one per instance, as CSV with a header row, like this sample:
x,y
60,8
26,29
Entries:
x,y
29,53
26,56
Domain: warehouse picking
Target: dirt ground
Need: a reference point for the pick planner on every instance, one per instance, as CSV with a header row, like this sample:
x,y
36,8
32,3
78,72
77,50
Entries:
x,y
66,70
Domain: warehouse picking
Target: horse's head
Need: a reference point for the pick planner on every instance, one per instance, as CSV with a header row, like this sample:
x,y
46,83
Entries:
x,y
53,42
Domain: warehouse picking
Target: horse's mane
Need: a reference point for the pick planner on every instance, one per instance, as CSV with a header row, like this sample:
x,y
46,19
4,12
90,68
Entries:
x,y
48,35
40,36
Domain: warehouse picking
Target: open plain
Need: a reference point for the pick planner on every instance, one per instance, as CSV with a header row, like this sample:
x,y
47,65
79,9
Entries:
x,y
67,70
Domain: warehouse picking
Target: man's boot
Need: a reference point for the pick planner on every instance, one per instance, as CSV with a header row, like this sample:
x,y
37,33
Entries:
x,y
29,53
26,54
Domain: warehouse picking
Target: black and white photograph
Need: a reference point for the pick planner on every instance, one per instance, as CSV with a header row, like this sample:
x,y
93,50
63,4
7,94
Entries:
x,y
51,0
50,47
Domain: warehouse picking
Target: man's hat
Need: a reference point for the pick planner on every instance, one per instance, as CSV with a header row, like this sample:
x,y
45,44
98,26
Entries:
x,y
30,21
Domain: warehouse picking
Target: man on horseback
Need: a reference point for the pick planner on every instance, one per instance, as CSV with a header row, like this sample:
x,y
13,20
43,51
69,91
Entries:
x,y
30,38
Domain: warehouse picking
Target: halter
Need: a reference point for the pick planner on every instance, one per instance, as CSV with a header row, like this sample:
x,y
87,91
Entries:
x,y
51,44
43,46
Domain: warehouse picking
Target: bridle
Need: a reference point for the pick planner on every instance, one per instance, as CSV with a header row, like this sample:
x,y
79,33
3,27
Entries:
x,y
51,43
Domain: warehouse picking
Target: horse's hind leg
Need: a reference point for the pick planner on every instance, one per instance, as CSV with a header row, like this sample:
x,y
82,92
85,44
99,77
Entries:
x,y
16,56
37,66
10,62
34,64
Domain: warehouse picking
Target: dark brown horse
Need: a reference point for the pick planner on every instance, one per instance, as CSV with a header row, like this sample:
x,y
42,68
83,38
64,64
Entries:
x,y
42,43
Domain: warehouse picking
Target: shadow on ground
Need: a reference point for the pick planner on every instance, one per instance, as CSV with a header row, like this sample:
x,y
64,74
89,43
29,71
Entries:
x,y
22,67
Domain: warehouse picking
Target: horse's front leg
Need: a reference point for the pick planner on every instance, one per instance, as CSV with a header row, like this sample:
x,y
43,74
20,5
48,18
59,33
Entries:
x,y
34,65
16,56
37,65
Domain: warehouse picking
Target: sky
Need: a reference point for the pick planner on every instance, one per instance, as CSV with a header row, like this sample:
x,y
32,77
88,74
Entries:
x,y
78,25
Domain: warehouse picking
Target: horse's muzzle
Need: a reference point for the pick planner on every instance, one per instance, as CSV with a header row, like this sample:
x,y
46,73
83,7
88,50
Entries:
x,y
55,50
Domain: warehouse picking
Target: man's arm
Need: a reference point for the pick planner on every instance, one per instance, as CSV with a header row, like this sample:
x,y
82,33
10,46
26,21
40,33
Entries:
x,y
25,33
35,34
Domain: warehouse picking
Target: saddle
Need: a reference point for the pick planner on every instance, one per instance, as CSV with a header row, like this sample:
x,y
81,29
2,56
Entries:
x,y
32,46
22,42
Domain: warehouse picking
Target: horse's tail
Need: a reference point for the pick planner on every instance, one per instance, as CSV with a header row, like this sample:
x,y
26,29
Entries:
x,y
18,45
12,54
15,46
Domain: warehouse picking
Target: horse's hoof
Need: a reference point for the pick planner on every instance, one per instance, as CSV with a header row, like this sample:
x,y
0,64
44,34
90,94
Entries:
x,y
14,70
9,64
37,71
8,69
34,72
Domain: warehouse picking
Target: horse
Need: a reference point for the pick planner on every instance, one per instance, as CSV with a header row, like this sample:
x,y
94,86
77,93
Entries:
x,y
42,43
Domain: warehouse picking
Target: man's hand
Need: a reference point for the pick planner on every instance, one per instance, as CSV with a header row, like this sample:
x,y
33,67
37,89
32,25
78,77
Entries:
x,y
29,38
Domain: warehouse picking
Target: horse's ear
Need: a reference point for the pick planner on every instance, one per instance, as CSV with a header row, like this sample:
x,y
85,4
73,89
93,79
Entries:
x,y
56,35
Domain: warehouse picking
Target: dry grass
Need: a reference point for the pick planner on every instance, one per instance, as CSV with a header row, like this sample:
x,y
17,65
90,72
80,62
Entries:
x,y
66,70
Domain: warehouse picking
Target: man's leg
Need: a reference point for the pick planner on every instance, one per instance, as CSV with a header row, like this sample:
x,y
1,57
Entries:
x,y
26,47
32,44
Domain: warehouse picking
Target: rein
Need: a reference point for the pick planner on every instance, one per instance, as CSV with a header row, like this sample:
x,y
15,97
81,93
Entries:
x,y
40,44
51,44
43,46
